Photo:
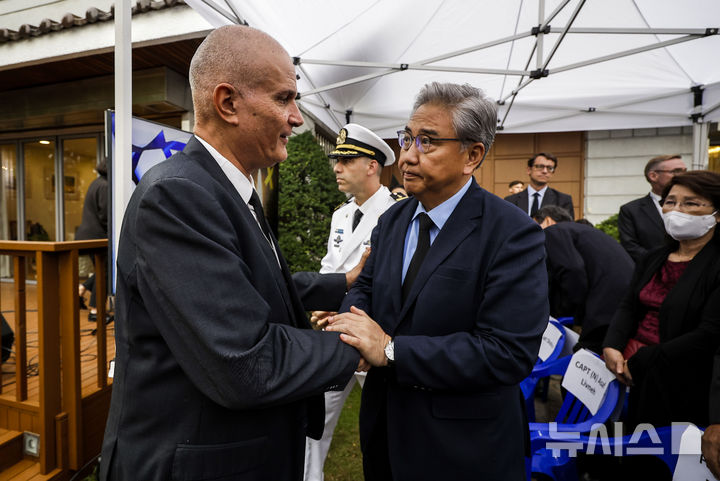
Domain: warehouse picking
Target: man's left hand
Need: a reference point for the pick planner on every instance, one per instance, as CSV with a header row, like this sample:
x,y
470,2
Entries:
x,y
711,449
361,332
352,275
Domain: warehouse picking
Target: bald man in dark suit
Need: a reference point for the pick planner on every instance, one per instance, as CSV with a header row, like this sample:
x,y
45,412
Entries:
x,y
218,374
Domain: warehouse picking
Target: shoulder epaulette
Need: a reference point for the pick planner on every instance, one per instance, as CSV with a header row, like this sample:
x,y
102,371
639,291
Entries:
x,y
397,196
347,201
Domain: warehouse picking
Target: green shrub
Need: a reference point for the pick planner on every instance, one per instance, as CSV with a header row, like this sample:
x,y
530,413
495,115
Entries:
x,y
307,197
610,227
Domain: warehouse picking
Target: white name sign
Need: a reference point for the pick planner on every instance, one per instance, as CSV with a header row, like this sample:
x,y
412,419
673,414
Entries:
x,y
587,379
691,465
550,338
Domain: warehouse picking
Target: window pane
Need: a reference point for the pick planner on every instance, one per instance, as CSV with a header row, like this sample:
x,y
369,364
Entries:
x,y
8,207
39,190
79,160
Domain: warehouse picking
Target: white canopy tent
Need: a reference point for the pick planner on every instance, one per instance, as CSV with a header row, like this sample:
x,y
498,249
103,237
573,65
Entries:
x,y
552,65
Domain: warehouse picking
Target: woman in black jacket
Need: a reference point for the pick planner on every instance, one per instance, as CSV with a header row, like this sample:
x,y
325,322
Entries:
x,y
671,315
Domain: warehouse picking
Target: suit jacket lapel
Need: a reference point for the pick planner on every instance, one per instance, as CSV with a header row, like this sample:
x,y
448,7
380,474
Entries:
x,y
458,226
648,207
550,197
524,200
199,153
357,236
397,248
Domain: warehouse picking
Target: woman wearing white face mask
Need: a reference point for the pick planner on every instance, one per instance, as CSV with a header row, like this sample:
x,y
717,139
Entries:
x,y
671,315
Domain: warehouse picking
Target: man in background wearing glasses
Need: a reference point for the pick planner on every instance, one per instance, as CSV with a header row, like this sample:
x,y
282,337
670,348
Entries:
x,y
449,309
538,194
640,222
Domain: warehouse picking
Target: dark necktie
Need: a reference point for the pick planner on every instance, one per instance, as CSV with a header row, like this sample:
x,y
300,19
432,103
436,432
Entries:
x,y
356,218
535,204
260,214
423,246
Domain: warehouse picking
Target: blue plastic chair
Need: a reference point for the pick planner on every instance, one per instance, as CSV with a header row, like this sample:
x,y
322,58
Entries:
x,y
566,321
573,417
528,385
563,468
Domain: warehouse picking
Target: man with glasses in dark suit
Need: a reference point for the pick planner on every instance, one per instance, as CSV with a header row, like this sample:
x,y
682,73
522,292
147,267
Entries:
x,y
540,169
449,309
640,222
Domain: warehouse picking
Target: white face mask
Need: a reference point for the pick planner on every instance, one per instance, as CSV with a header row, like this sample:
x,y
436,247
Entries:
x,y
682,226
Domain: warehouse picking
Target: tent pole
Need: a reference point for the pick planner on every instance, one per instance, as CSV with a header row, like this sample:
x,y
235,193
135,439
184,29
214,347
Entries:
x,y
550,18
475,48
635,31
325,103
700,146
562,35
540,35
412,66
625,53
238,19
122,163
347,82
215,7
710,109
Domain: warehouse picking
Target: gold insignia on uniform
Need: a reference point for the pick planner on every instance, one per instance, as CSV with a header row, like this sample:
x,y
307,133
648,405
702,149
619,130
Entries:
x,y
397,196
341,137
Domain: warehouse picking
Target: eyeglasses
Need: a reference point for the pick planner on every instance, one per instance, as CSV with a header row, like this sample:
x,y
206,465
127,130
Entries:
x,y
688,205
424,143
673,171
540,167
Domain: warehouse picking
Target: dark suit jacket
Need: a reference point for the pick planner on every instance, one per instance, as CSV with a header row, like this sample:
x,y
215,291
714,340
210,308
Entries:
x,y
588,273
641,227
467,334
672,379
320,292
551,197
216,370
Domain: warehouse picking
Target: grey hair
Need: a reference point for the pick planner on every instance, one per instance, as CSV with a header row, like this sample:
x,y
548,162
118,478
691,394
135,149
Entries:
x,y
474,114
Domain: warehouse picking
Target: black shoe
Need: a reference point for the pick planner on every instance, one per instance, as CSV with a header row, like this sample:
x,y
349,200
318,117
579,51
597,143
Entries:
x,y
81,302
108,319
92,317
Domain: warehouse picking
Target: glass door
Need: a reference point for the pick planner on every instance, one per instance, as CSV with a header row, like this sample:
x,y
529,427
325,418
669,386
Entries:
x,y
8,207
79,160
39,160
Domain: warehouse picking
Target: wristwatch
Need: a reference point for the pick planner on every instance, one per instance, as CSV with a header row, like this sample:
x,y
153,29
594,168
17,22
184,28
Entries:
x,y
390,351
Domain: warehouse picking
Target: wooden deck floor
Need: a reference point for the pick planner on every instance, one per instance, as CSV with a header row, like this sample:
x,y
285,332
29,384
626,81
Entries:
x,y
27,470
88,345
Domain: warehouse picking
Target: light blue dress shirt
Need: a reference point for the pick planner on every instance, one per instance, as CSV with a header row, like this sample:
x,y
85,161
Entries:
x,y
439,215
531,193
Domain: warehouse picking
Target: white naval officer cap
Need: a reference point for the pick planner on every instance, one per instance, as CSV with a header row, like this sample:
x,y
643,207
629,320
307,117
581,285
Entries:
x,y
355,141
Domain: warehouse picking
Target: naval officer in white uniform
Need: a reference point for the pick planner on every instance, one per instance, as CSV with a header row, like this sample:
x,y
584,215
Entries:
x,y
359,157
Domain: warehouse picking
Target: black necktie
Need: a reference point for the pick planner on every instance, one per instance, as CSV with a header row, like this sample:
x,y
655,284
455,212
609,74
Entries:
x,y
535,205
260,215
423,246
356,218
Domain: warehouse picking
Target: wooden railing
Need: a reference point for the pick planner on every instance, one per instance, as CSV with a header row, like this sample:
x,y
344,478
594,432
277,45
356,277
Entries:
x,y
58,411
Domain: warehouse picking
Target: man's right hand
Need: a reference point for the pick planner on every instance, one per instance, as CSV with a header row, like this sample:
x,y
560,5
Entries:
x,y
352,275
319,319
